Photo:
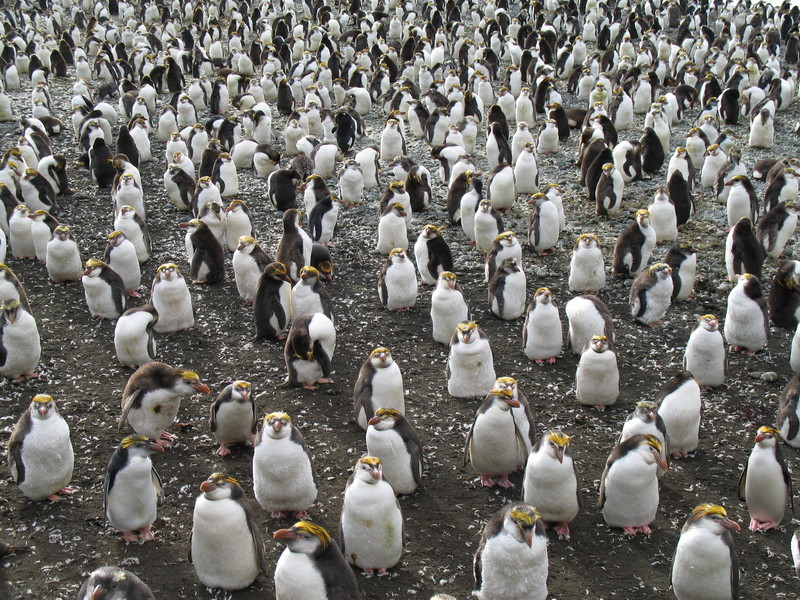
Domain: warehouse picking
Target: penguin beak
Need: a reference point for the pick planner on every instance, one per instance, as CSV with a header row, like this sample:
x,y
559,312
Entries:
x,y
560,454
97,592
374,421
376,474
284,534
155,446
42,411
528,537
451,284
512,403
729,524
661,461
208,486
277,426
202,388
761,437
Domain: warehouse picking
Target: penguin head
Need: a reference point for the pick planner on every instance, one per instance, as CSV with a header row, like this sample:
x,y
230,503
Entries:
x,y
744,226
240,391
503,398
587,240
712,150
599,343
520,523
646,411
190,382
543,296
507,239
194,224
767,436
116,238
93,267
110,583
304,538
660,271
278,425
712,517
385,418
430,232
468,332
140,445
708,322
43,407
509,265
167,272
398,255
652,450
219,486
557,444
380,358
397,187
643,218
309,275
447,280
397,209
736,180
368,469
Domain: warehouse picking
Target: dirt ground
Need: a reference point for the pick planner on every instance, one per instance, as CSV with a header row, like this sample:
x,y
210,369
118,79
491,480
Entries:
x,y
443,519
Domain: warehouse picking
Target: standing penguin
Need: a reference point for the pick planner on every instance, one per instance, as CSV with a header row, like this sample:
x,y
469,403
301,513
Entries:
x,y
129,222
282,188
449,307
223,525
272,304
629,486
515,535
488,225
552,481
705,564
206,256
608,191
294,248
238,223
120,255
597,375
651,294
663,217
392,439
765,484
788,418
371,524
170,296
494,443
40,451
470,366
249,261
784,295
233,416
705,357
682,259
397,284
379,385
777,228
312,566
680,407
634,246
542,334
746,320
588,316
743,252
508,291
432,254
134,341
586,267
742,200
104,290
309,351
544,225
506,245
63,257
283,469
309,295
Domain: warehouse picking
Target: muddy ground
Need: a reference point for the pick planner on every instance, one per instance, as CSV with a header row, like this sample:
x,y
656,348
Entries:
x,y
443,519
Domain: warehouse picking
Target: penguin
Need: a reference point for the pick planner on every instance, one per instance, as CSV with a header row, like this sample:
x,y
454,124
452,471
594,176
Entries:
x,y
107,583
713,162
597,375
488,225
392,229
281,188
397,283
134,341
54,169
646,420
11,288
543,225
322,219
170,296
449,307
294,248
494,443
312,566
507,291
206,256
179,186
266,160
351,183
506,245
514,535
746,319
788,418
379,385
36,192
663,218
586,268
784,296
132,489
777,228
392,439
651,294
782,185
40,452
766,484
628,159
223,525
20,345
309,351
309,295
249,261
418,188
321,260
608,191
63,258
393,141
371,523
42,227
272,303
743,252
682,259
526,171
552,481
283,470
542,334
680,408
100,164
634,246
705,357
762,129
152,397
705,564
121,257
432,254
238,223
104,290
315,189
470,366
742,200
588,316
130,223
629,487
233,416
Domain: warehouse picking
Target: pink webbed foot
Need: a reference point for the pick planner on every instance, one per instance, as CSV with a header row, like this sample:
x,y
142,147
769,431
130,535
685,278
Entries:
x,y
280,514
147,534
382,571
562,529
324,380
131,537
165,439
223,450
655,324
547,252
404,309
309,386
505,482
486,481
629,530
369,572
57,497
645,529
299,514
758,525
282,337
248,303
471,243
134,294
26,376
600,407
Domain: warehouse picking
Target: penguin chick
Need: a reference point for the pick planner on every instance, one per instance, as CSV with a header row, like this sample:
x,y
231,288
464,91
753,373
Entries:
x,y
651,295
152,397
397,284
134,341
40,451
309,351
379,385
283,469
223,525
587,273
705,357
542,334
111,583
371,524
233,416
449,307
132,489
392,439
470,366
765,484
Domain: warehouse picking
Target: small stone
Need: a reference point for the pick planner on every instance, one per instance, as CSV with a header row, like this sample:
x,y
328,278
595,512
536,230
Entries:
x,y
769,376
755,374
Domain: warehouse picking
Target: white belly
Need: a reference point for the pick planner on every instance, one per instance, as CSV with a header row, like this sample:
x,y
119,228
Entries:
x,y
132,500
372,525
174,305
597,378
494,449
765,489
544,335
512,571
701,569
297,578
471,370
705,357
631,492
282,477
395,459
47,457
21,341
552,488
448,309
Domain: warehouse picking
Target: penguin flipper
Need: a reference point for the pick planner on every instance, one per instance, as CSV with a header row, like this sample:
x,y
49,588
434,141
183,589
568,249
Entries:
x,y
322,358
362,398
788,412
255,534
128,403
787,477
641,300
468,445
15,461
158,487
602,500
742,482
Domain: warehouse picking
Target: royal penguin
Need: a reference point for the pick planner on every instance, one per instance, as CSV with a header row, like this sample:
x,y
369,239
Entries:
x,y
588,316
249,261
322,261
272,302
120,255
238,223
542,333
634,246
179,186
205,253
322,219
508,290
516,535
104,290
432,254
746,319
36,192
106,583
282,188
651,294
152,397
501,188
309,351
63,257
351,183
233,416
526,171
294,248
449,307
40,451
663,218
762,129
645,420
42,226
494,443
777,228
266,160
393,142
134,341
133,226
705,356
788,418
629,495
782,186
379,385
543,224
171,298
609,190
309,295
680,407
586,267
223,525
487,226
54,169
397,282
312,566
391,438
369,160
713,162
705,564
682,259
743,251
392,229
552,481
505,245
132,489
371,523
766,484
597,375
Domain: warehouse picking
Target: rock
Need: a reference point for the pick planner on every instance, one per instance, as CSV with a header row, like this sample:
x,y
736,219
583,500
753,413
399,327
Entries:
x,y
769,376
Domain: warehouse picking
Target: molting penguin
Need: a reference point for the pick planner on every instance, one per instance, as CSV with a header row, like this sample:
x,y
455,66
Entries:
x,y
379,384
170,296
470,366
586,267
309,351
233,416
765,484
449,307
63,257
392,439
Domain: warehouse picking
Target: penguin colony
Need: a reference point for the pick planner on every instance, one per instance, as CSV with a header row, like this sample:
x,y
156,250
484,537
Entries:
x,y
227,95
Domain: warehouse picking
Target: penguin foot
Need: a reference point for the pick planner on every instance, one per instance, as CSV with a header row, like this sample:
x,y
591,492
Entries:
x,y
131,537
248,303
600,407
147,534
223,450
404,309
680,454
165,439
645,529
299,514
486,481
134,294
547,252
562,529
310,386
655,324
545,361
280,514
629,530
505,482
756,525
26,376
324,380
